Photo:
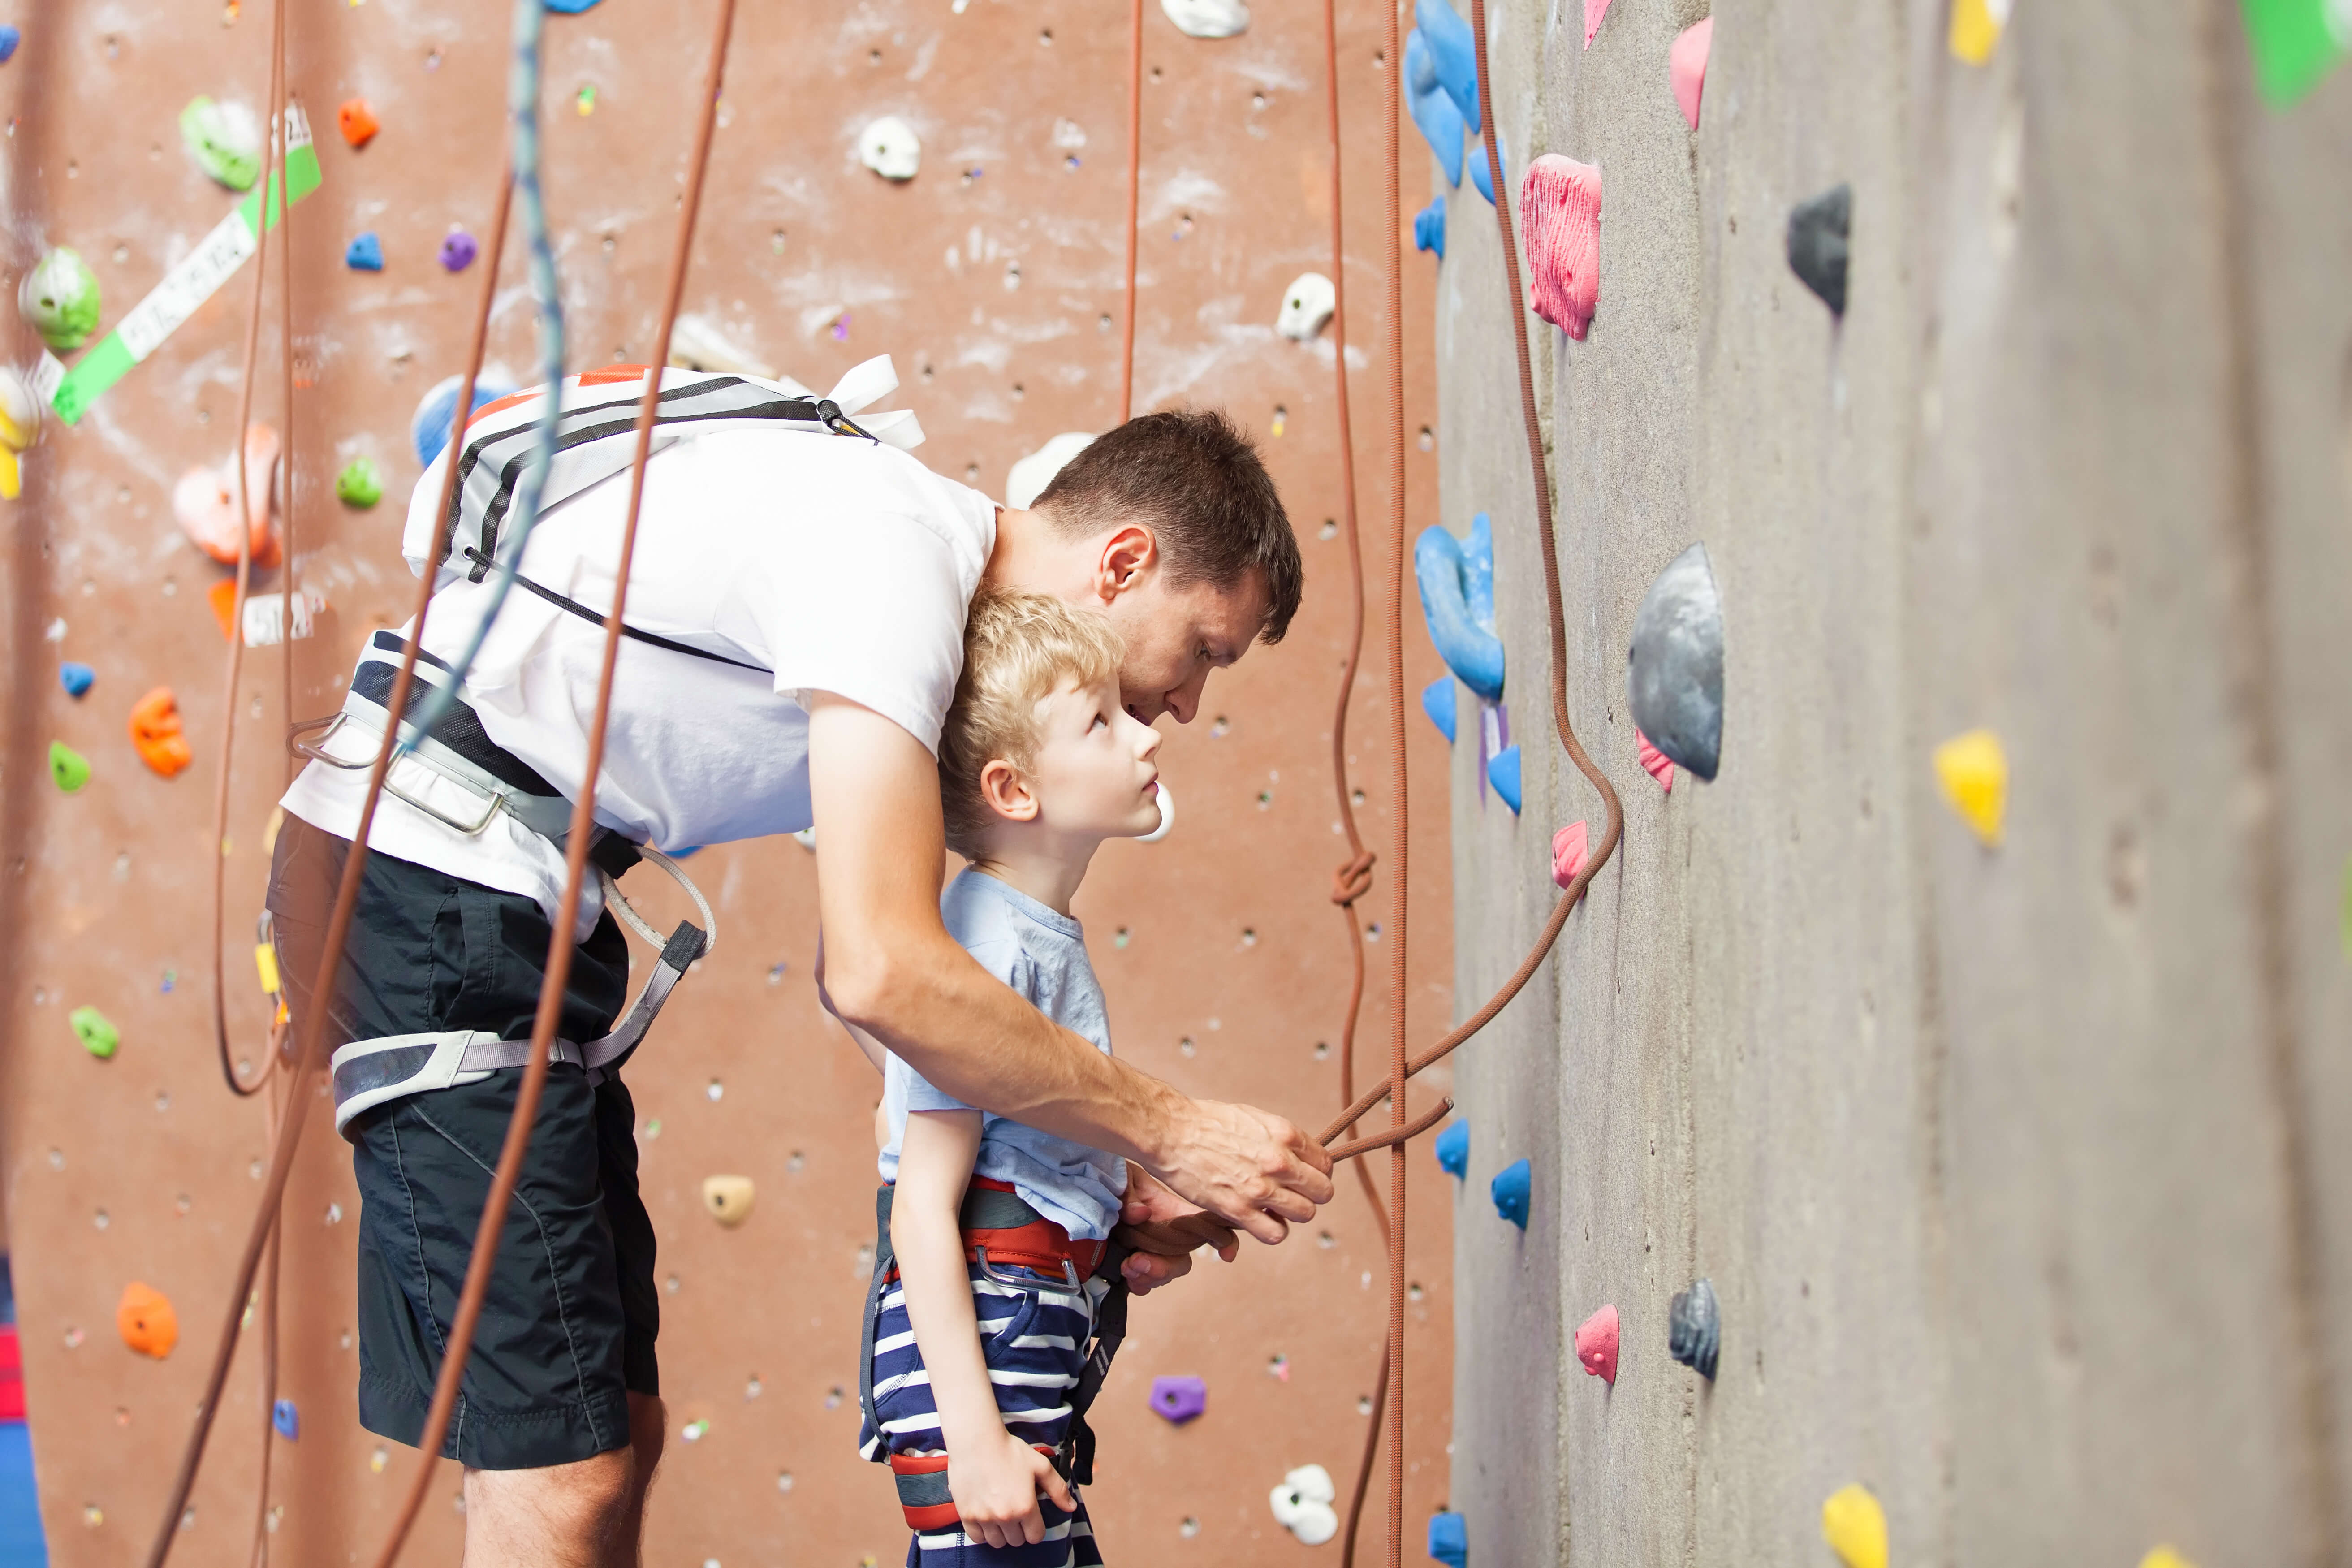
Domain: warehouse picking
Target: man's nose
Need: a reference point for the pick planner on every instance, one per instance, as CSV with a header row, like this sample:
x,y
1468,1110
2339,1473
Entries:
x,y
1185,700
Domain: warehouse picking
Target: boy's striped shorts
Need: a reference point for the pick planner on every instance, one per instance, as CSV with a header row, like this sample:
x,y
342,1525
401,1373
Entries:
x,y
1034,1338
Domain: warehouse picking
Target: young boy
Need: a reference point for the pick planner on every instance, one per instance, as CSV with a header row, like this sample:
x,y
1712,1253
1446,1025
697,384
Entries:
x,y
986,1288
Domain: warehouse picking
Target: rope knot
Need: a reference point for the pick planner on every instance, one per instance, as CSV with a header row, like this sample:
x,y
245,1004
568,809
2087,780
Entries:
x,y
1354,879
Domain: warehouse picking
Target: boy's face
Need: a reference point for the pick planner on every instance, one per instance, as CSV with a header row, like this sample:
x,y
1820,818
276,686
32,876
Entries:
x,y
1093,774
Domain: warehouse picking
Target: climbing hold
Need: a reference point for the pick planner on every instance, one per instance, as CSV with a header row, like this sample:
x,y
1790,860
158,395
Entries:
x,y
1974,772
697,343
1437,699
1674,674
1453,1147
225,140
457,250
1449,1540
2295,43
1031,474
1207,18
1307,307
729,1199
359,484
1569,847
569,7
155,731
68,768
1453,51
287,1419
1482,178
1510,1189
1456,577
1167,804
428,427
75,677
1654,763
98,1036
58,298
356,120
1593,11
146,1321
204,502
2165,1557
9,38
1503,773
1596,1344
1429,227
20,414
1856,1527
1693,1330
1180,1399
1975,28
1559,225
1302,1505
1686,67
1442,125
1818,231
364,253
890,148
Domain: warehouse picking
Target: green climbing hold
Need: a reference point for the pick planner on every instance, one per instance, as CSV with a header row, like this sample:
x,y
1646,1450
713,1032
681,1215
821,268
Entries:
x,y
359,484
68,766
225,140
2294,43
97,1036
58,297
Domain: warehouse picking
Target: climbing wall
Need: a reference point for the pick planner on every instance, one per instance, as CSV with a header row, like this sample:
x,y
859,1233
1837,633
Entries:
x,y
994,278
2019,1169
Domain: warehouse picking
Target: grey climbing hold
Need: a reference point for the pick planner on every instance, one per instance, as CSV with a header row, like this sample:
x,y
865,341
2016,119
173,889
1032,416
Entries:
x,y
1693,1330
1675,676
1818,231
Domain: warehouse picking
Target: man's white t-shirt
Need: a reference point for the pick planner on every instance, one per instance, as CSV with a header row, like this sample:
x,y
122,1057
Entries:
x,y
840,564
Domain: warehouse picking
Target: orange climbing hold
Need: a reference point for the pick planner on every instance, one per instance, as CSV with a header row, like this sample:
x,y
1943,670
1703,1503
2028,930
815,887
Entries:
x,y
1654,763
155,731
204,500
1596,1345
357,121
1560,227
146,1321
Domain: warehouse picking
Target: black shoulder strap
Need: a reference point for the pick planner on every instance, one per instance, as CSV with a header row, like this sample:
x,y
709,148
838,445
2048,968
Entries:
x,y
585,614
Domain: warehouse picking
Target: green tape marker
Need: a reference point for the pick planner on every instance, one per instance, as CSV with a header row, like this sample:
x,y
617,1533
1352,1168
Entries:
x,y
187,286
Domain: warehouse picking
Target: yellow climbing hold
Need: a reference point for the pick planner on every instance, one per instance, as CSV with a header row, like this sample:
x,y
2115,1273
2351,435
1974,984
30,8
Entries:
x,y
265,959
1975,28
729,1199
1856,1527
2165,1557
1974,771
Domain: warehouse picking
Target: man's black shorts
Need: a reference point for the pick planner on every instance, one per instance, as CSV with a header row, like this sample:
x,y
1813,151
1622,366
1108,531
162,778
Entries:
x,y
567,1330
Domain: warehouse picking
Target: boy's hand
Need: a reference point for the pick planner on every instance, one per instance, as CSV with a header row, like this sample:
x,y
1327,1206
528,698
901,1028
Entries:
x,y
994,1483
1164,1230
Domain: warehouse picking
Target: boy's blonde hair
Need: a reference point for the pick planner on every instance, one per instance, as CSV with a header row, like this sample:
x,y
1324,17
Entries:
x,y
1018,649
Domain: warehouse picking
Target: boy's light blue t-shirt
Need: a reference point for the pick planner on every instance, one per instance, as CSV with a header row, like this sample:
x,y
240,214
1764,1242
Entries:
x,y
1042,955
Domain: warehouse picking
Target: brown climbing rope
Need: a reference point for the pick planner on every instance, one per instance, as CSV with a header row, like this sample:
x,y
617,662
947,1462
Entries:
x,y
1134,191
582,830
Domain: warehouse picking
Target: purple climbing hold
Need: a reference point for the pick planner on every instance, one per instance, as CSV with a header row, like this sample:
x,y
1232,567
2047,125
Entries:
x,y
458,250
1180,1399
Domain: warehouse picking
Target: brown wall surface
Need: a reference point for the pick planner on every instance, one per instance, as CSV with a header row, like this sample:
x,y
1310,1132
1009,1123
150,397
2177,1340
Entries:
x,y
1227,971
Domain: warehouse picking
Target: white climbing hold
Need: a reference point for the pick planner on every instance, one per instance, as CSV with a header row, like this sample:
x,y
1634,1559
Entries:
x,y
890,148
1302,1505
1031,474
1167,817
697,343
1307,307
1207,18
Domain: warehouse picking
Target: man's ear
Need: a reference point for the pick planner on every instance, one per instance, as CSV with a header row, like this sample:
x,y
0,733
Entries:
x,y
1006,792
1128,556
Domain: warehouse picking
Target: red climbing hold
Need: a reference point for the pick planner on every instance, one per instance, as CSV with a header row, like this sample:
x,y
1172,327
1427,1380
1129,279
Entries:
x,y
1656,762
1686,67
1559,225
1568,851
357,121
1596,1344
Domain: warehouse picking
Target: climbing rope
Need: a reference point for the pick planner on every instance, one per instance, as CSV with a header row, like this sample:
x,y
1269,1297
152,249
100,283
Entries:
x,y
1134,192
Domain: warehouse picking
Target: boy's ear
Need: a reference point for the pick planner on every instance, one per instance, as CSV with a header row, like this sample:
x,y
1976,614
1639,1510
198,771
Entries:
x,y
1006,792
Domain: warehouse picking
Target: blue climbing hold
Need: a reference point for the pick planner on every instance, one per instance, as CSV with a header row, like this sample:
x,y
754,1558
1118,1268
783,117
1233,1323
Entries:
x,y
1503,773
1437,701
1449,1540
1457,599
1512,1185
1454,1150
1429,229
1453,51
282,1415
428,428
364,253
75,677
9,38
1483,177
569,7
1440,123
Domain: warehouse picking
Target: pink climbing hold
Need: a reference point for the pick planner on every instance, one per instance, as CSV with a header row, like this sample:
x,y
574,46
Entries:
x,y
1568,848
1686,67
1596,1344
1593,11
1654,763
1559,227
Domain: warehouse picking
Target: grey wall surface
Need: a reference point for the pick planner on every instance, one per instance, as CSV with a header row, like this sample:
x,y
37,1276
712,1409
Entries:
x,y
2025,1174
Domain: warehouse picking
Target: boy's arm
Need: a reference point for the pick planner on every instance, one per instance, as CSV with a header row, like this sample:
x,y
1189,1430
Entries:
x,y
992,1475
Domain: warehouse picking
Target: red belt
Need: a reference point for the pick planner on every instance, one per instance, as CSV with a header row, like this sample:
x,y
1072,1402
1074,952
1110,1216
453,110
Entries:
x,y
1041,1245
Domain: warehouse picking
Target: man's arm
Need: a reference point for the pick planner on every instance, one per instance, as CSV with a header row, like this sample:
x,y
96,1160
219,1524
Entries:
x,y
892,969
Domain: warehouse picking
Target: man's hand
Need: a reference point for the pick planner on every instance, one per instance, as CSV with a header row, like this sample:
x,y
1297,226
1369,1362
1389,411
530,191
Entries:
x,y
1164,1232
1253,1169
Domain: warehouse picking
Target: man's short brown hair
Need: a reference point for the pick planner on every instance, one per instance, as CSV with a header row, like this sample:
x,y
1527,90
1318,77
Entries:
x,y
1196,481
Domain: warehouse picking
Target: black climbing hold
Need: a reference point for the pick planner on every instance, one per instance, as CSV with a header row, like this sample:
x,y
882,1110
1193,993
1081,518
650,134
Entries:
x,y
1817,244
1674,676
1693,1330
